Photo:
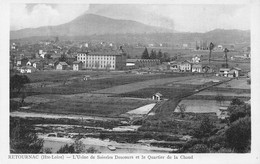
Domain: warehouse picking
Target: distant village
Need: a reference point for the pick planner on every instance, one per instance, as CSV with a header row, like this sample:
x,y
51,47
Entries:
x,y
67,55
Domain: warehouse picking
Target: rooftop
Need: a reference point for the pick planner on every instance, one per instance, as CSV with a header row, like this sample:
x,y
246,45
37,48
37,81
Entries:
x,y
63,63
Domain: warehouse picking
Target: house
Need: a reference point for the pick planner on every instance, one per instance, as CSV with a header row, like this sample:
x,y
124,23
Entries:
x,y
236,71
62,66
36,63
157,96
52,63
77,65
27,69
196,68
195,59
220,47
185,66
224,71
20,61
223,113
174,66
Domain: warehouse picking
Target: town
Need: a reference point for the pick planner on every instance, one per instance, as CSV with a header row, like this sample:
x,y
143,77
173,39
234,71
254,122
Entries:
x,y
130,93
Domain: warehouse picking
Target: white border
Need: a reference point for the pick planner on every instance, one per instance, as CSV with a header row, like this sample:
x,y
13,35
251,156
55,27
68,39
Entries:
x,y
253,157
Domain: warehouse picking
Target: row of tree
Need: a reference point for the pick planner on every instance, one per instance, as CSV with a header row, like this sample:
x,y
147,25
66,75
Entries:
x,y
163,57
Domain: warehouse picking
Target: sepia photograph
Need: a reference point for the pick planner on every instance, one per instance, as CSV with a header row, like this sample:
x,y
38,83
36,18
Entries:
x,y
137,78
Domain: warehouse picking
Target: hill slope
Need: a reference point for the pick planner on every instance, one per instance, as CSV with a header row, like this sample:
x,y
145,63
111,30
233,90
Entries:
x,y
89,24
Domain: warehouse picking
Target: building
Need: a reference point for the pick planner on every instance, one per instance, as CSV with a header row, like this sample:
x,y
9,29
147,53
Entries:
x,y
157,96
224,71
77,65
185,66
139,63
20,61
27,69
196,68
195,59
110,60
223,113
236,71
61,66
174,66
36,63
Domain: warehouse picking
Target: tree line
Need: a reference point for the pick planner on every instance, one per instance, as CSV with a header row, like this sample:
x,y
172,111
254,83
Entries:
x,y
163,57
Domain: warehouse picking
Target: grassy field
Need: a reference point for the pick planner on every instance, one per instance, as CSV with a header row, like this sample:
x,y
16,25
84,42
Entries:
x,y
186,53
75,87
88,105
239,84
167,92
60,76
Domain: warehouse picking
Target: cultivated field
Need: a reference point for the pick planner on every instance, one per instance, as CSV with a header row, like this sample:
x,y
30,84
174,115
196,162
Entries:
x,y
240,83
86,105
98,82
202,106
140,86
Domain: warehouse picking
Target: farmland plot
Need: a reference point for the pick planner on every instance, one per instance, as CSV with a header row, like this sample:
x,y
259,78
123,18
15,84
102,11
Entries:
x,y
88,105
202,106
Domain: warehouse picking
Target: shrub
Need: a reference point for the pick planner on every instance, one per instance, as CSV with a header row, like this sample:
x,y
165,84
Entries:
x,y
205,128
238,135
199,148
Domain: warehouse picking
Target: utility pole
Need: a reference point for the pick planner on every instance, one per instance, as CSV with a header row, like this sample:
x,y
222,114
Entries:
x,y
211,46
226,51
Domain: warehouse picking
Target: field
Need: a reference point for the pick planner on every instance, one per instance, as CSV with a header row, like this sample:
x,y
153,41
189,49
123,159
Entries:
x,y
185,53
79,86
167,92
236,83
141,86
98,105
202,106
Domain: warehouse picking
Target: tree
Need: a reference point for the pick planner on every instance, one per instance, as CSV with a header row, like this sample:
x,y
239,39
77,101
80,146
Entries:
x,y
17,82
236,101
23,138
182,109
199,148
145,54
63,58
66,149
238,135
205,128
76,148
159,55
239,111
219,98
153,54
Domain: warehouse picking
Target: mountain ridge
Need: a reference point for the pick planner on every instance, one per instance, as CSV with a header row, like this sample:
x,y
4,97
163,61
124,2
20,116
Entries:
x,y
89,24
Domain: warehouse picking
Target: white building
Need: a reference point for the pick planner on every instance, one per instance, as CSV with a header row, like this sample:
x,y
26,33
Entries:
x,y
103,60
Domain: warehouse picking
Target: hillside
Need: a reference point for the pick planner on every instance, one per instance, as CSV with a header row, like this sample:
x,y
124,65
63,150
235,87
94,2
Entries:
x,y
89,24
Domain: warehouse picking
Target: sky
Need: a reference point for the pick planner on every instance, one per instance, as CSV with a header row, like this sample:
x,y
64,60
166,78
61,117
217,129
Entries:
x,y
183,18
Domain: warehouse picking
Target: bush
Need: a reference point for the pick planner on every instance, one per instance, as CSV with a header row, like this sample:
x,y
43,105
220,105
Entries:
x,y
205,128
239,111
238,135
23,138
66,149
199,148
